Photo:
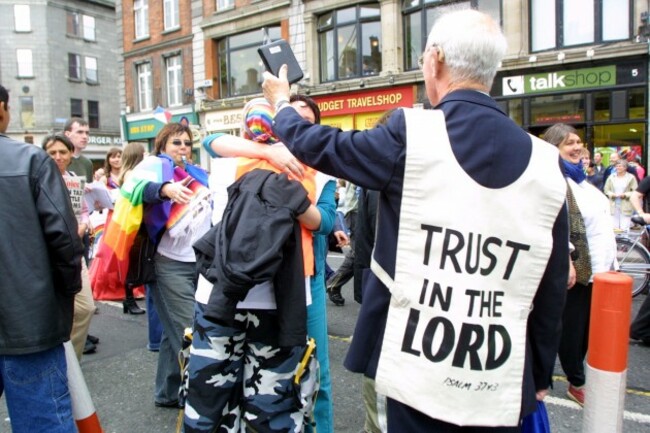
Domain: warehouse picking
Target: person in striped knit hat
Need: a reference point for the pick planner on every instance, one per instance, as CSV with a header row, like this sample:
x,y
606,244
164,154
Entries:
x,y
208,408
258,121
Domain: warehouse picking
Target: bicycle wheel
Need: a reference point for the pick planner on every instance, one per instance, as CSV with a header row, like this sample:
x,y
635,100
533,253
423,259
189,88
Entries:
x,y
634,260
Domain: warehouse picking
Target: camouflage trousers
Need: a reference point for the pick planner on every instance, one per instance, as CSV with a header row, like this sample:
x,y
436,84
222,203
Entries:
x,y
238,381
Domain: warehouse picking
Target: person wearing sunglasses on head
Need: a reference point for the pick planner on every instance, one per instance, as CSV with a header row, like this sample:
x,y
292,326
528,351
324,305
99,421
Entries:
x,y
60,149
166,200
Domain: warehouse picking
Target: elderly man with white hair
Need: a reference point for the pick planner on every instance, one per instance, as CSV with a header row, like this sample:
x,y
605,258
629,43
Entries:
x,y
461,313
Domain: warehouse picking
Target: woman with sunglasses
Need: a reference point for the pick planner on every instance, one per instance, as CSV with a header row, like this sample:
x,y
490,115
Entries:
x,y
175,262
167,197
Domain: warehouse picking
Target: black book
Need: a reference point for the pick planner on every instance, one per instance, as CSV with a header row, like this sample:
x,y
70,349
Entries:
x,y
279,53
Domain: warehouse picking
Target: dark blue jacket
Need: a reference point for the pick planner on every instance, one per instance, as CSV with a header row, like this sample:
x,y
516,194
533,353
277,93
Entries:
x,y
494,151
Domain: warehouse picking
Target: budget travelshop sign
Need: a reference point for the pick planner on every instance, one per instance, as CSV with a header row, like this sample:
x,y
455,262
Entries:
x,y
366,101
560,80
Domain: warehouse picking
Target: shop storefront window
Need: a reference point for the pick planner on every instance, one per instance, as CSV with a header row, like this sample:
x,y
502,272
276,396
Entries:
x,y
547,110
344,123
350,42
515,111
636,104
624,136
240,67
602,106
419,16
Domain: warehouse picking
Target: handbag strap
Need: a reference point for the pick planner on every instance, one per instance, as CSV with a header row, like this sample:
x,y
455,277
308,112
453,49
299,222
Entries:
x,y
578,237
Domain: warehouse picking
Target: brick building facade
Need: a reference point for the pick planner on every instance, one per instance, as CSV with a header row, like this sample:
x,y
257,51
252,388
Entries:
x,y
361,56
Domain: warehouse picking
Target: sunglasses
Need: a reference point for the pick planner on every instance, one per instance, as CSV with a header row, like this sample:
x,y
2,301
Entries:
x,y
187,143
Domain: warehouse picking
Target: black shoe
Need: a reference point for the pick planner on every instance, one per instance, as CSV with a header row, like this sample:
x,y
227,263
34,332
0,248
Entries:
x,y
89,347
336,298
92,339
170,404
131,307
638,220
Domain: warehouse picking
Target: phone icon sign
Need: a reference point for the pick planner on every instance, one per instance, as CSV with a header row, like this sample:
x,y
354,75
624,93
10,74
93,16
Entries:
x,y
513,85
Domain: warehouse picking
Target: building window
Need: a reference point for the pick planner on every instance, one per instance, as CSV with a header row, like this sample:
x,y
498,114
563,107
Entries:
x,y
350,42
93,114
76,108
141,18
88,27
27,112
24,60
174,81
80,26
225,4
240,68
91,70
567,23
73,27
419,16
144,87
74,66
172,18
22,18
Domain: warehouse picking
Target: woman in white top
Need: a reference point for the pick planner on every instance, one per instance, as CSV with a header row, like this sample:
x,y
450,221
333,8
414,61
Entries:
x,y
592,236
619,188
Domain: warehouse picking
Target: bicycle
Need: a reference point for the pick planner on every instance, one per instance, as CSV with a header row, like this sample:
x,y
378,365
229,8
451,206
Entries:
x,y
633,257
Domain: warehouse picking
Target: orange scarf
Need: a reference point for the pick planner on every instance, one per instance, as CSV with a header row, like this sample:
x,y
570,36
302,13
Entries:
x,y
244,165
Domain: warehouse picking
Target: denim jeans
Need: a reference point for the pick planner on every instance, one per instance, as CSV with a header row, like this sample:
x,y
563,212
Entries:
x,y
36,391
317,328
173,295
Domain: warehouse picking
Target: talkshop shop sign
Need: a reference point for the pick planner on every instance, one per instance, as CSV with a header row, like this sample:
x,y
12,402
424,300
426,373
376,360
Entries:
x,y
604,76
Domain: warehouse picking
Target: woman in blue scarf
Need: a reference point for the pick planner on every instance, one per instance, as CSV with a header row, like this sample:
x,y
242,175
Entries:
x,y
592,237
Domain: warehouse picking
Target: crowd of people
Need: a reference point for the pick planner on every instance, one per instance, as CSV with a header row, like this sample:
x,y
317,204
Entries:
x,y
238,256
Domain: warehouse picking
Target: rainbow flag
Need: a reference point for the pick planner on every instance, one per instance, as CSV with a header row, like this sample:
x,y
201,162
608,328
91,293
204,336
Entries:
x,y
180,215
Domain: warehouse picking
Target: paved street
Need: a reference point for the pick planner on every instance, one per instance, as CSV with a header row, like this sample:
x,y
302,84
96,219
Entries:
x,y
121,374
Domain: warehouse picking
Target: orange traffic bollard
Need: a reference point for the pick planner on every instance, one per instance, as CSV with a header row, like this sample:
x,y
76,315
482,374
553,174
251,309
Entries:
x,y
609,334
83,409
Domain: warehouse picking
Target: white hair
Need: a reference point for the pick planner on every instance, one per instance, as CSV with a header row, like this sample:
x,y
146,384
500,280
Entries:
x,y
473,45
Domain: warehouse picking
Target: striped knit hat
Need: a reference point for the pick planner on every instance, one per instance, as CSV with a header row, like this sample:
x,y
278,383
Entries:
x,y
258,121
